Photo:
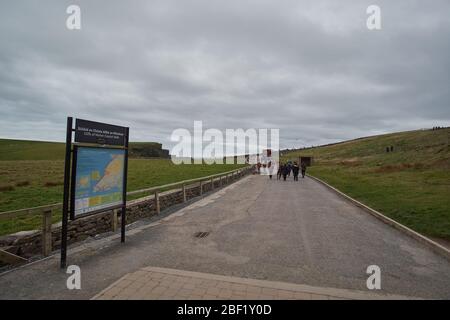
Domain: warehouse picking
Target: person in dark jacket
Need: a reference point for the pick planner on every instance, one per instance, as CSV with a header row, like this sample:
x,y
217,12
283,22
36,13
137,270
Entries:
x,y
285,171
303,166
295,171
280,171
289,164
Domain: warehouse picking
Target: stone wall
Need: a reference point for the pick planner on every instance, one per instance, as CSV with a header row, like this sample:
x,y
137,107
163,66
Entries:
x,y
29,243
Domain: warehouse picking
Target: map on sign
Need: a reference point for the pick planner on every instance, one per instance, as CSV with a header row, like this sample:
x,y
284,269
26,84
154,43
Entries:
x,y
99,179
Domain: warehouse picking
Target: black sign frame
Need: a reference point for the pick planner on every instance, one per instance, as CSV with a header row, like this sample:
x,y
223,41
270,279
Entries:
x,y
68,210
99,133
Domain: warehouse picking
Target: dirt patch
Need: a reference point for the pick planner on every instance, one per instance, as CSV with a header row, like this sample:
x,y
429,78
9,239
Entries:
x,y
22,183
354,162
53,184
6,188
441,163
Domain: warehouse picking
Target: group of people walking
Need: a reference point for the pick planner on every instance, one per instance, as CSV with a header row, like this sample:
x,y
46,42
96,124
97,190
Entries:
x,y
285,170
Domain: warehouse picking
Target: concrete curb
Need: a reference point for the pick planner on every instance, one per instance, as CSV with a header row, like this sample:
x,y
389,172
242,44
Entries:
x,y
436,247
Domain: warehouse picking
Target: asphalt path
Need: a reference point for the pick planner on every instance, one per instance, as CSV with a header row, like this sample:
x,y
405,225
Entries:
x,y
297,232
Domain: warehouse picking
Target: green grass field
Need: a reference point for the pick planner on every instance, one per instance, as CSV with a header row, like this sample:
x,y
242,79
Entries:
x,y
410,185
30,150
29,183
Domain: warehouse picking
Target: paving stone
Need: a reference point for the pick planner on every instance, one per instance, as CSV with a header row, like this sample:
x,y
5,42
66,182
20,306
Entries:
x,y
189,286
318,297
236,286
123,283
302,296
227,293
159,283
253,289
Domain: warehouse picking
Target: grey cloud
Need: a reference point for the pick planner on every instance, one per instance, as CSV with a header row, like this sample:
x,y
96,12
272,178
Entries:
x,y
310,68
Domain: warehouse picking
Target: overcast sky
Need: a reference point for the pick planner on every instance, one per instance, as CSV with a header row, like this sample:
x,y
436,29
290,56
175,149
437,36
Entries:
x,y
310,68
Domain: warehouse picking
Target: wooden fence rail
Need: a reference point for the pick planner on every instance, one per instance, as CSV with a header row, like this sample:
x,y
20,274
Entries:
x,y
152,190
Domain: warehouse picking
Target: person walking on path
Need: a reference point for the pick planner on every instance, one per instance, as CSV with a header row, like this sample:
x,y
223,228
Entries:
x,y
285,171
289,165
280,171
303,170
270,169
295,171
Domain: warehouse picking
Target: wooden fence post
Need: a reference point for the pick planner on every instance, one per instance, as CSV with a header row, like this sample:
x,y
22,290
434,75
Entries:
x,y
157,204
212,184
201,187
184,192
114,220
47,232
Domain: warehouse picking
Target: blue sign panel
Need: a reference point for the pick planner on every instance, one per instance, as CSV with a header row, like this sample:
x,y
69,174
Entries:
x,y
99,179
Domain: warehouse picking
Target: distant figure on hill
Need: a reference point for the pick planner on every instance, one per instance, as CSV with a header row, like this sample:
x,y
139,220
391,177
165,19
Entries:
x,y
303,169
295,170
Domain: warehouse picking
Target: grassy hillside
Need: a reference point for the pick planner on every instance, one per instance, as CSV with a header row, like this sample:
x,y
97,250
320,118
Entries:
x,y
30,150
410,184
39,150
148,150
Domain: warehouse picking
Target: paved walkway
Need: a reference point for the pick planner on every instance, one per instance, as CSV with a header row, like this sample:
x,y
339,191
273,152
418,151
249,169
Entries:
x,y
280,231
168,284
